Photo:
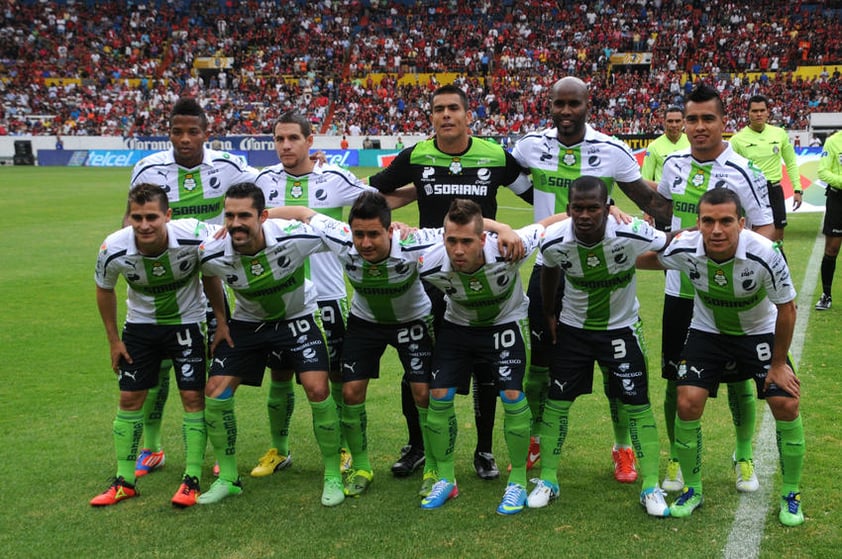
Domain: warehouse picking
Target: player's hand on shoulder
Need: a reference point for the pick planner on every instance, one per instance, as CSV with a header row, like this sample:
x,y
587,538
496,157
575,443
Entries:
x,y
622,217
510,245
405,230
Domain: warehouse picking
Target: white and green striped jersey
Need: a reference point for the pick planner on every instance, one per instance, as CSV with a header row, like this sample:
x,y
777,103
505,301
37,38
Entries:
x,y
196,192
163,289
269,285
490,296
385,292
685,179
736,297
327,190
554,166
600,288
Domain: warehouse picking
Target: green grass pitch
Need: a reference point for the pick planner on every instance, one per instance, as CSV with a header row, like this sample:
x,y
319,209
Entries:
x,y
59,397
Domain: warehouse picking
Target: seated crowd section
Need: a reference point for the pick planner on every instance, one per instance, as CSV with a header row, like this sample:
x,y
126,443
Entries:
x,y
114,68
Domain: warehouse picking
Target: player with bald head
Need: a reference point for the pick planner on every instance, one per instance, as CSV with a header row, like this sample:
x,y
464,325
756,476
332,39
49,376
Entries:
x,y
555,158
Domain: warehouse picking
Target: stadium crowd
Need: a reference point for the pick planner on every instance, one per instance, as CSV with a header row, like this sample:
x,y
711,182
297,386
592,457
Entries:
x,y
122,68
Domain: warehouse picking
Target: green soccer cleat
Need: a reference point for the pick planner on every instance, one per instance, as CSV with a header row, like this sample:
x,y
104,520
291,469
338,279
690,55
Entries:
x,y
791,513
687,502
357,482
333,493
221,489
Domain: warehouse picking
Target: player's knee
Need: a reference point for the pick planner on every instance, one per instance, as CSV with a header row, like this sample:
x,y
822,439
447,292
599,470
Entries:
x,y
443,394
783,408
192,400
353,392
511,396
132,400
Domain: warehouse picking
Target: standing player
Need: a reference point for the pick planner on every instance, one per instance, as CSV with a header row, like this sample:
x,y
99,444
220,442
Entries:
x,y
485,320
298,181
555,158
452,165
275,324
673,139
709,163
765,146
830,171
165,318
599,322
744,313
195,180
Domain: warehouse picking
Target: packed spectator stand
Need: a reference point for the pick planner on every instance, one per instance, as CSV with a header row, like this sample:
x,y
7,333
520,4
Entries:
x,y
114,68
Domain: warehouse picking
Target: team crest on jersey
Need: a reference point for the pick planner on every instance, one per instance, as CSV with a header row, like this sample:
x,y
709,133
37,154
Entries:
x,y
190,182
475,285
699,178
592,260
374,271
569,158
720,279
158,269
256,268
776,150
296,191
455,166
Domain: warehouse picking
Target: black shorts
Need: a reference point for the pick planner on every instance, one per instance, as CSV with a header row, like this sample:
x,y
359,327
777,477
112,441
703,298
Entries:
x,y
833,213
150,344
366,341
334,317
541,347
777,201
297,344
505,348
620,354
482,373
675,321
711,359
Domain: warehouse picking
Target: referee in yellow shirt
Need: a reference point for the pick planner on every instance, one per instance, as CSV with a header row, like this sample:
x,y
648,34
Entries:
x,y
765,146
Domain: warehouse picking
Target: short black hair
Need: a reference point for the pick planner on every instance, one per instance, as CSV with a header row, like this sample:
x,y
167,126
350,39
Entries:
x,y
589,183
145,192
463,212
189,106
716,196
674,109
451,89
370,205
294,117
703,93
248,190
758,99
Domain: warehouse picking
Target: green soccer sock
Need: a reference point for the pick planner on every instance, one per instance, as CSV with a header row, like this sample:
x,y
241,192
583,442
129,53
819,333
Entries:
x,y
354,424
336,394
670,405
195,436
688,440
442,428
644,437
536,385
153,409
791,448
280,405
619,418
221,423
327,430
553,434
127,430
742,400
430,464
516,426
